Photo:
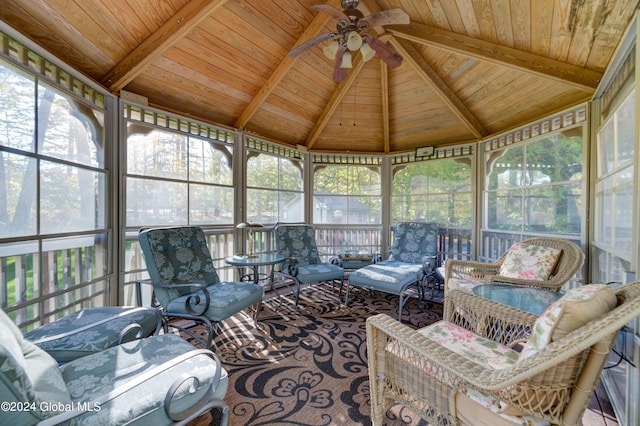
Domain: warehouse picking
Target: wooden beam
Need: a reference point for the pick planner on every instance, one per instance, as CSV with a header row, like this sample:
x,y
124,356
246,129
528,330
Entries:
x,y
573,75
281,70
384,84
179,25
338,94
440,87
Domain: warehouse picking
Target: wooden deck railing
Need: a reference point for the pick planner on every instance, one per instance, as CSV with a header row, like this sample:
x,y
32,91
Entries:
x,y
67,274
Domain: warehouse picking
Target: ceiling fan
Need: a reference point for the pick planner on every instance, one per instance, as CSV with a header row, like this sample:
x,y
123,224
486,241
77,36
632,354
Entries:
x,y
352,34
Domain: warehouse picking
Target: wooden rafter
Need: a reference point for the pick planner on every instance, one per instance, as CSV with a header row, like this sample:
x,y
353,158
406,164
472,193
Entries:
x,y
336,97
440,87
156,44
573,75
281,70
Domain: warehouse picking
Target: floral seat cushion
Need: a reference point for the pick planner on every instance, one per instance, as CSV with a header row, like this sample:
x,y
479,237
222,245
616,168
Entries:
x,y
489,354
529,262
478,349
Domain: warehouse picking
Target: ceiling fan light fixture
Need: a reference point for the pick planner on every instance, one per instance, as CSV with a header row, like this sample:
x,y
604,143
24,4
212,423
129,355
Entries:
x,y
349,4
331,49
367,52
354,41
346,60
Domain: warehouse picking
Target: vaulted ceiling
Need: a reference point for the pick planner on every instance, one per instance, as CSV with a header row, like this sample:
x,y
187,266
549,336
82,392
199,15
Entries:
x,y
471,68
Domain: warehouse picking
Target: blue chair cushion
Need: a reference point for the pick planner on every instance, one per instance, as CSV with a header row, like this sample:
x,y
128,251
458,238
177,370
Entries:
x,y
90,377
389,276
92,330
319,272
227,299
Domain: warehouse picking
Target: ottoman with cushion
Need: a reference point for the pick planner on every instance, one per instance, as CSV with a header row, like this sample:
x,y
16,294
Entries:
x,y
94,329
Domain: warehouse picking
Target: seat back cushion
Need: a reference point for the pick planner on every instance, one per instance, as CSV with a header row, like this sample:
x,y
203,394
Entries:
x,y
28,375
573,310
413,241
298,242
529,262
177,255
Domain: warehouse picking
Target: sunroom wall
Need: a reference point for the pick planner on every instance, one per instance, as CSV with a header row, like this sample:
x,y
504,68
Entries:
x,y
238,150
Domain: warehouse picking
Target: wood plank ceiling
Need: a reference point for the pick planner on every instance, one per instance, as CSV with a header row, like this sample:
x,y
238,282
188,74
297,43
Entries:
x,y
471,68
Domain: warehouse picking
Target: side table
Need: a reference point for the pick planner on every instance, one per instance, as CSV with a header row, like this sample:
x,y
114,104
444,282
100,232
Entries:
x,y
254,263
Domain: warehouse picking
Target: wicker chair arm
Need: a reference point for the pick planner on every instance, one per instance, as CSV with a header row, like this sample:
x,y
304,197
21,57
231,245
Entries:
x,y
470,270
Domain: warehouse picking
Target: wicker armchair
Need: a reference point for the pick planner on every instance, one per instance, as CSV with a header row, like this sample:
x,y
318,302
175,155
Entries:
x,y
570,260
554,384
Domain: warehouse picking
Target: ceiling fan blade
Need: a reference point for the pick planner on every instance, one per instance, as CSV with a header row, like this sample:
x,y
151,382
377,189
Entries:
x,y
339,73
387,54
310,43
330,10
387,17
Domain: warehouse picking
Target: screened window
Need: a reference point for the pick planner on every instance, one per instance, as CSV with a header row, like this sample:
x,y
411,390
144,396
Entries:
x,y
175,178
345,194
53,188
274,188
433,191
614,192
536,187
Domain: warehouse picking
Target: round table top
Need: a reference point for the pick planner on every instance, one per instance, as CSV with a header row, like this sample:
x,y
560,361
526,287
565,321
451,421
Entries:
x,y
259,259
530,299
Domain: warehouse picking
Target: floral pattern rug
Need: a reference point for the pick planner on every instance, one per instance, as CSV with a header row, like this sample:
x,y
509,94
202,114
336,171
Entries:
x,y
309,366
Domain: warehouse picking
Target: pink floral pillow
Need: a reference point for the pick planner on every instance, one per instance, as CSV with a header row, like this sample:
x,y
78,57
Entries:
x,y
529,262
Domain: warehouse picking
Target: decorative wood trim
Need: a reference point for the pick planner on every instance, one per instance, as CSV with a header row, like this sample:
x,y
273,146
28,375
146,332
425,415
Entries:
x,y
551,124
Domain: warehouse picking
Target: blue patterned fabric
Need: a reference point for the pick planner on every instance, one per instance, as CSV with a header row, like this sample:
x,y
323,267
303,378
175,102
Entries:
x,y
180,255
414,248
413,241
297,243
94,329
150,367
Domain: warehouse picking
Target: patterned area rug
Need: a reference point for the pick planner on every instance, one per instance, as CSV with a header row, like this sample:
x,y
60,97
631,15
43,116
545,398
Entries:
x,y
309,366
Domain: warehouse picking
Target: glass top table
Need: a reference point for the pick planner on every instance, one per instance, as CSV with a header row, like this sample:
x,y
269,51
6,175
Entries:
x,y
254,263
534,300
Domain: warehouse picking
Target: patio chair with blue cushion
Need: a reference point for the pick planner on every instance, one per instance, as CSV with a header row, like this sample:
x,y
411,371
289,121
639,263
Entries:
x,y
186,284
93,330
158,380
297,243
411,264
